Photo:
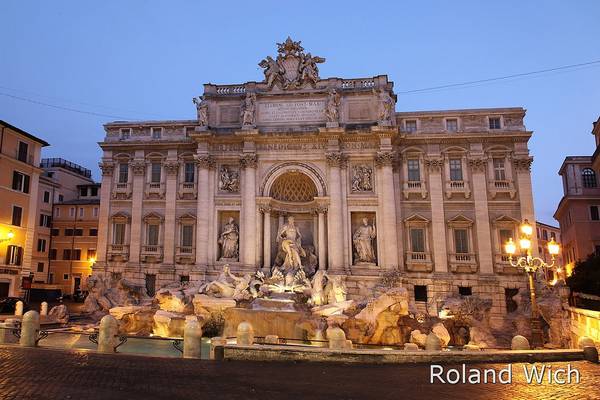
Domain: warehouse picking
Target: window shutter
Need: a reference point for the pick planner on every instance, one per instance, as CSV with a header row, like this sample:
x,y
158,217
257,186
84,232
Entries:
x,y
15,182
25,183
19,256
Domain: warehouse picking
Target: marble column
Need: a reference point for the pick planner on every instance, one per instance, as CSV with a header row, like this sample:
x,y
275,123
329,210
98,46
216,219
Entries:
x,y
384,161
171,168
321,238
107,167
335,229
204,162
138,167
266,238
438,223
482,218
248,163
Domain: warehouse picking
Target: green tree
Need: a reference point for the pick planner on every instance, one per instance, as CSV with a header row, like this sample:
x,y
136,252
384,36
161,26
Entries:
x,y
586,276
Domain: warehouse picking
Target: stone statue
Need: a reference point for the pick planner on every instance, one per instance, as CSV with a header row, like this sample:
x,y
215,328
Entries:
x,y
229,180
202,110
229,241
332,107
290,243
361,178
335,291
363,242
386,107
248,110
309,72
274,70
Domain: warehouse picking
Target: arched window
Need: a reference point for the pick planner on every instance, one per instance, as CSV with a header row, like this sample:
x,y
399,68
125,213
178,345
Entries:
x,y
589,178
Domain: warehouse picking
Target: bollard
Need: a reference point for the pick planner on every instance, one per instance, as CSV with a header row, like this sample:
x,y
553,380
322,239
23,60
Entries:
x,y
245,334
214,343
519,343
109,328
192,339
19,308
44,309
336,337
590,353
30,328
6,335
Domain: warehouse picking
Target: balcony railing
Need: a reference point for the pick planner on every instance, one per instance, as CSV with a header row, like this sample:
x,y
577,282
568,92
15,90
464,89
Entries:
x,y
463,262
502,265
122,190
458,187
185,255
151,249
417,187
187,190
417,261
119,251
502,186
155,189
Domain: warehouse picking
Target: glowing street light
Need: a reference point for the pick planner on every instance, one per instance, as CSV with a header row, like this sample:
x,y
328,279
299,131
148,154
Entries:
x,y
531,264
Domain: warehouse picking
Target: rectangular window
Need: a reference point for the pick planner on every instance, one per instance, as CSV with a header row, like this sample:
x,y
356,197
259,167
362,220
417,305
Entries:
x,y
81,212
456,169
94,191
61,198
65,277
505,235
499,170
72,212
93,232
76,254
66,254
17,214
417,240
54,232
119,234
187,235
465,290
83,192
40,267
69,232
155,172
594,213
410,126
452,125
156,133
53,254
45,220
125,133
46,196
152,235
545,234
95,211
78,232
23,151
461,241
20,182
123,173
420,293
494,122
57,212
184,278
91,254
14,255
414,172
41,245
189,172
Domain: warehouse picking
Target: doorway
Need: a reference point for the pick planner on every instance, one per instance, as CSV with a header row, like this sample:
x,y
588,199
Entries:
x,y
150,284
4,288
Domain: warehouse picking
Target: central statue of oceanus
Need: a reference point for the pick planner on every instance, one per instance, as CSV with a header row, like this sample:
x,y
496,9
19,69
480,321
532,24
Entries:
x,y
289,240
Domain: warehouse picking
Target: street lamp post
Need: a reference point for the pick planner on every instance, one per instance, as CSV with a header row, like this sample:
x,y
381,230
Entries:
x,y
531,264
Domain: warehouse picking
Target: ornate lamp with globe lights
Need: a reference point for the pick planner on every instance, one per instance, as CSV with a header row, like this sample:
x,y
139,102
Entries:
x,y
531,265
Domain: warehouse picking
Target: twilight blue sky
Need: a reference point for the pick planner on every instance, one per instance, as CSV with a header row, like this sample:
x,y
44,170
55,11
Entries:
x,y
147,59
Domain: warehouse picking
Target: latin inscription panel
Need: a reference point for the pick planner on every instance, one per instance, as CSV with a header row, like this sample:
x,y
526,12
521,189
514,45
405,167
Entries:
x,y
291,112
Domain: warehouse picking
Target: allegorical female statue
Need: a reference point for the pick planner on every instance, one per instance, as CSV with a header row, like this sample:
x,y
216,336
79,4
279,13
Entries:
x,y
249,106
332,107
363,242
229,241
202,110
290,242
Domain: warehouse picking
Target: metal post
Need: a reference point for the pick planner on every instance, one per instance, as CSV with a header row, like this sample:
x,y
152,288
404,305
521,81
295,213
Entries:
x,y
536,329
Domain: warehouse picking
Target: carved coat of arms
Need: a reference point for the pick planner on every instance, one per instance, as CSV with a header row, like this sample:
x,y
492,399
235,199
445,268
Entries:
x,y
293,68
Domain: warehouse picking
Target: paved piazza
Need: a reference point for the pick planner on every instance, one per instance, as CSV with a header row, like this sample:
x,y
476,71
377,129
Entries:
x,y
53,374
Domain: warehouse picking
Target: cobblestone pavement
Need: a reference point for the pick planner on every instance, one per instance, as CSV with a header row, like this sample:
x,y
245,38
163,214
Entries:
x,y
58,374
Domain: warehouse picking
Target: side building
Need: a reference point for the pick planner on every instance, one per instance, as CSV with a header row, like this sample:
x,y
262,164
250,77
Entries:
x,y
546,233
578,212
20,154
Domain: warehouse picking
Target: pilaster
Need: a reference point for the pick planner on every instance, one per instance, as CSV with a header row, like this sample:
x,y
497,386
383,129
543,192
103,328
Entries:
x,y
435,164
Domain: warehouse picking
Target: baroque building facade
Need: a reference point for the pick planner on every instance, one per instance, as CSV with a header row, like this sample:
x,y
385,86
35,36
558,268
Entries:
x,y
426,196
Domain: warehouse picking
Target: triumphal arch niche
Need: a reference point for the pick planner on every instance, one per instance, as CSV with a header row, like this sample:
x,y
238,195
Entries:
x,y
315,168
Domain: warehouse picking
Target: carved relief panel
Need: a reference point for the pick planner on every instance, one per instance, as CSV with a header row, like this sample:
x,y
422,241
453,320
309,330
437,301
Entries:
x,y
229,178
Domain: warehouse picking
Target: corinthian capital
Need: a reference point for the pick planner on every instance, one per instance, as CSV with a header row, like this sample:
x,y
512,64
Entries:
x,y
138,167
171,167
478,164
204,161
248,160
107,168
384,158
335,159
522,163
435,164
